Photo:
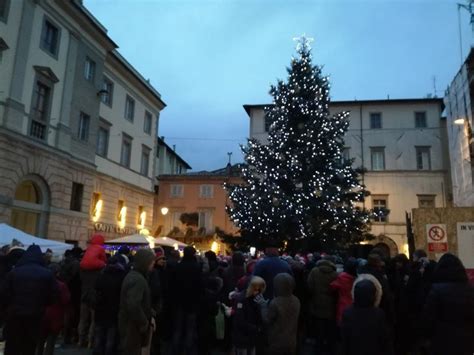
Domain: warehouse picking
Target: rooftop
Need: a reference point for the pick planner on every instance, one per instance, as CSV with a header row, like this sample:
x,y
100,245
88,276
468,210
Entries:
x,y
219,174
162,142
432,100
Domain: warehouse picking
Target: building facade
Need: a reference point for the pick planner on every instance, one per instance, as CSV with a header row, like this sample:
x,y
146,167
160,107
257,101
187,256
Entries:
x,y
201,195
78,126
168,162
459,121
400,147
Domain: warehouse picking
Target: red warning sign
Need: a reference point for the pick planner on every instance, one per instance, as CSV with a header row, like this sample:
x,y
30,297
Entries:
x,y
437,238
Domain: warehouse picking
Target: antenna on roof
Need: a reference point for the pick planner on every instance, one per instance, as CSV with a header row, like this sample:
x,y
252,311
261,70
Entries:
x,y
434,86
230,158
468,6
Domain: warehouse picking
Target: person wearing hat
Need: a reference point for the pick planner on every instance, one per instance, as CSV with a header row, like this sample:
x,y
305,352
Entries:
x,y
135,320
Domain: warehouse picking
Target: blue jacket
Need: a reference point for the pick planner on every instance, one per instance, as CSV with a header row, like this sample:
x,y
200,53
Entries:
x,y
267,269
30,286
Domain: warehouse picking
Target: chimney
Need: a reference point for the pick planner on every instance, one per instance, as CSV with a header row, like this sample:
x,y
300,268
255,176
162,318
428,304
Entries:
x,y
162,138
174,147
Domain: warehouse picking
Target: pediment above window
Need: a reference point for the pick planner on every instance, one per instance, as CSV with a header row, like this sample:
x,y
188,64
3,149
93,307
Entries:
x,y
46,72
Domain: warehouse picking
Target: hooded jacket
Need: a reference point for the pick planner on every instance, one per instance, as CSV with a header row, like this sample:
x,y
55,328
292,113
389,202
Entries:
x,y
322,300
281,317
94,257
30,286
342,285
449,309
135,304
364,329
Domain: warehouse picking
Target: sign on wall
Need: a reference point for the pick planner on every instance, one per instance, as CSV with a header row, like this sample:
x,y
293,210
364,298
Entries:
x,y
437,238
466,243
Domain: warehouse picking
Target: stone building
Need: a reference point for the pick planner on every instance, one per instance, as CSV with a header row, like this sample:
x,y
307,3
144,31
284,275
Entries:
x,y
78,126
401,148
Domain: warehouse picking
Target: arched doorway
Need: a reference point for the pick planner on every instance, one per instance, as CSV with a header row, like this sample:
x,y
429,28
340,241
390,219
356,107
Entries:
x,y
387,245
31,206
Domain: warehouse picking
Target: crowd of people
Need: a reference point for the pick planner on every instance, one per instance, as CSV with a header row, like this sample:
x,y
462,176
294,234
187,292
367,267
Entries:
x,y
151,302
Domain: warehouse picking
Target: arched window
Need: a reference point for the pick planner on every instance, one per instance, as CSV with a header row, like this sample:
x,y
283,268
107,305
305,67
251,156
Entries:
x,y
31,206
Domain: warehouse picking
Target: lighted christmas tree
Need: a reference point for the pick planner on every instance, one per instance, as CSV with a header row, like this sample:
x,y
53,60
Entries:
x,y
298,186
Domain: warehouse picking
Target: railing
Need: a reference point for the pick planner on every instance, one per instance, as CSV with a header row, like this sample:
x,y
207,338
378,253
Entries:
x,y
38,130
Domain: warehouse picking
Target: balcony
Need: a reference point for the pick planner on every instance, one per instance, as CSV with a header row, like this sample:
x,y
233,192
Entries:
x,y
38,130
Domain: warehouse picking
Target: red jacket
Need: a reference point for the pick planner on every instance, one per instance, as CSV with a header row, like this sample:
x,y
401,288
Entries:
x,y
53,319
343,286
94,257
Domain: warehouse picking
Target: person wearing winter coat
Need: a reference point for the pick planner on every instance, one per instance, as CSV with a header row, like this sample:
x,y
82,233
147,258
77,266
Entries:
x,y
281,317
248,322
449,309
53,319
342,286
269,267
29,288
70,274
107,287
364,329
135,320
322,304
187,289
91,265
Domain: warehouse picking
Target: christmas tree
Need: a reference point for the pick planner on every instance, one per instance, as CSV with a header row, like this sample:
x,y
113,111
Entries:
x,y
298,186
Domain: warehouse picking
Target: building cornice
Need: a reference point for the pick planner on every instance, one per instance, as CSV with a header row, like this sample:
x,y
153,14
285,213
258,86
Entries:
x,y
435,100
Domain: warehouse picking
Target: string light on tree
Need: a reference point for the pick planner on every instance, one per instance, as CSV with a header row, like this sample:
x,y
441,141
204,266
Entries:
x,y
298,185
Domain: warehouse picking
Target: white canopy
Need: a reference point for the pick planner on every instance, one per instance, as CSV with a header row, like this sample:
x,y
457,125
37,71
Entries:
x,y
8,233
132,239
169,242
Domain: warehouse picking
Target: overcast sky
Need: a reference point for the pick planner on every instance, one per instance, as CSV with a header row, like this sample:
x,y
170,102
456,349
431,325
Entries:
x,y
208,58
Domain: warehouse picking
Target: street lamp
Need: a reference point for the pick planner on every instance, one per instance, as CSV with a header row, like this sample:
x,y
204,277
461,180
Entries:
x,y
164,211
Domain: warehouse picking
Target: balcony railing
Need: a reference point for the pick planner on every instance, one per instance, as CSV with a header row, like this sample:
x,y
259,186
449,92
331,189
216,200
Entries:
x,y
38,130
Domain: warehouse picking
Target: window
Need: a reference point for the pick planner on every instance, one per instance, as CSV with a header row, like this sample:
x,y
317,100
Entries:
x,y
205,220
268,123
50,38
423,159
379,204
102,142
147,123
206,191
175,219
83,130
145,160
139,216
377,157
95,206
129,108
40,110
108,92
176,190
4,7
346,154
426,201
89,69
420,120
126,151
376,120
76,196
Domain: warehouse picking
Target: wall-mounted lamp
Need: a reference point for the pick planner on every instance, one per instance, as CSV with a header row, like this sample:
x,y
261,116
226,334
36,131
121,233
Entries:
x,y
164,211
459,121
141,225
101,93
97,210
122,217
